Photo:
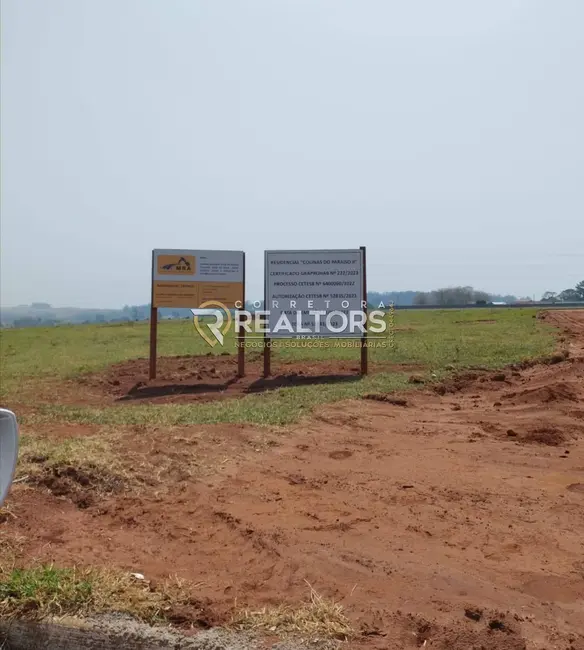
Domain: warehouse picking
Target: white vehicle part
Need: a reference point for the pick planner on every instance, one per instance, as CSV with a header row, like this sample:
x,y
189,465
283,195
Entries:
x,y
8,450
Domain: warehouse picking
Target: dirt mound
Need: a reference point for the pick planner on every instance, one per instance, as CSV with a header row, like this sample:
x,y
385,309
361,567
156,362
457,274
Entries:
x,y
555,391
459,382
83,486
549,360
570,320
544,435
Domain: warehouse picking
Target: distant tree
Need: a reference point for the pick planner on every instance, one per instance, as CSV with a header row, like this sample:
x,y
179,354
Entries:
x,y
452,296
549,296
439,296
569,295
482,297
580,290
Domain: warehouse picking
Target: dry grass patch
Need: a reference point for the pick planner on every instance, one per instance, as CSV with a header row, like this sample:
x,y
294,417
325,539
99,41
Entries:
x,y
46,592
81,469
317,618
95,452
117,459
6,513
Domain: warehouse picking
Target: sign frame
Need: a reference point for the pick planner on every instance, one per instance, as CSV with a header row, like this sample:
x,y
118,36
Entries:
x,y
196,292
267,356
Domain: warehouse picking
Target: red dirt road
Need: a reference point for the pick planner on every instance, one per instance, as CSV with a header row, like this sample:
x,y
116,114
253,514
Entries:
x,y
456,519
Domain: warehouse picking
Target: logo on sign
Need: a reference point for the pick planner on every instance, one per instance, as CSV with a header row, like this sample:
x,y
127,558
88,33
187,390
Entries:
x,y
176,264
214,327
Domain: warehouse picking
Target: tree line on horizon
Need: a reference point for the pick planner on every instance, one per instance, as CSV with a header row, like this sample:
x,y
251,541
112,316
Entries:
x,y
43,314
458,296
567,295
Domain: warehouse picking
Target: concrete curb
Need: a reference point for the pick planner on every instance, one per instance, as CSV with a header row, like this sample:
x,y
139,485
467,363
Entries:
x,y
121,632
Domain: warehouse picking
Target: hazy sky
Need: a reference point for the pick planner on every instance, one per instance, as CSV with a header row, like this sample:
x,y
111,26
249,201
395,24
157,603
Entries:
x,y
446,136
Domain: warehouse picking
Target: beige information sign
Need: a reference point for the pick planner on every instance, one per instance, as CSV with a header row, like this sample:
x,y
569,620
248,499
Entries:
x,y
188,278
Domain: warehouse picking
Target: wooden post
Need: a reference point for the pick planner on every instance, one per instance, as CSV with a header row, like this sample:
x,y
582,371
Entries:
x,y
241,352
267,356
364,355
241,335
267,342
153,328
153,337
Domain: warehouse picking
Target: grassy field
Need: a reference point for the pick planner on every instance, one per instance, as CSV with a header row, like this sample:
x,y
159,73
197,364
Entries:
x,y
439,341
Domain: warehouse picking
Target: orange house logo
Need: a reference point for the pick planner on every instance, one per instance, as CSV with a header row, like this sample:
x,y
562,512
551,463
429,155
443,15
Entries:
x,y
176,264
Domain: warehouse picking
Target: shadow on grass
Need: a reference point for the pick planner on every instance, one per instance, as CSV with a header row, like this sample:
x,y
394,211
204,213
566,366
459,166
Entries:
x,y
285,381
144,392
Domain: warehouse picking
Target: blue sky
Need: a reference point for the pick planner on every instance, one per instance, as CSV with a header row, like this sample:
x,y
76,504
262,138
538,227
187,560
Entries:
x,y
447,137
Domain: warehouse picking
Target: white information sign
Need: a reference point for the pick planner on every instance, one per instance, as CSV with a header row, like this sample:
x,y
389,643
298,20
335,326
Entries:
x,y
326,281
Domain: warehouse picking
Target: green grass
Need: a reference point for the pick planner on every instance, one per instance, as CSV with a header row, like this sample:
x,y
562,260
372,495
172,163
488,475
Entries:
x,y
44,588
44,591
440,341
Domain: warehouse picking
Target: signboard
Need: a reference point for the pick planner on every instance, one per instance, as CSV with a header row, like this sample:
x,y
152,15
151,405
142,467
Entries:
x,y
189,278
319,280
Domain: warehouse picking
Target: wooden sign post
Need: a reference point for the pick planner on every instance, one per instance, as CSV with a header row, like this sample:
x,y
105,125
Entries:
x,y
267,342
364,348
153,328
153,341
241,332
